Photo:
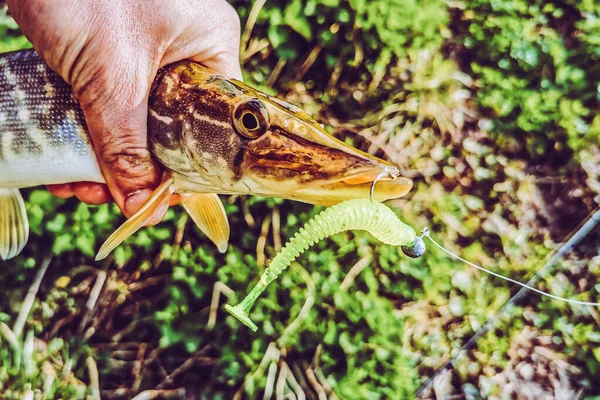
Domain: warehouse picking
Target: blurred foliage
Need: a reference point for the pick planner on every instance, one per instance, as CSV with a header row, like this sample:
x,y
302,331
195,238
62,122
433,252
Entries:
x,y
489,106
538,69
305,36
31,367
9,32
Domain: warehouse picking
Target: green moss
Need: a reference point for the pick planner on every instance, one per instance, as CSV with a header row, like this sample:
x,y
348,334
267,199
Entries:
x,y
537,69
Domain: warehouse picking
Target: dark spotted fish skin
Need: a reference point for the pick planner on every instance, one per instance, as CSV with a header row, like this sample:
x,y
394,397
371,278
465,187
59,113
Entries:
x,y
43,135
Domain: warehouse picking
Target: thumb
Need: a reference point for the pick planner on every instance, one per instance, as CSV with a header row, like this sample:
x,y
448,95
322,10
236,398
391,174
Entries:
x,y
227,64
116,115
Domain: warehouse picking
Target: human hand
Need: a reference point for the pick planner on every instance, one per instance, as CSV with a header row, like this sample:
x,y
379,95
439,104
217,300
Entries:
x,y
109,51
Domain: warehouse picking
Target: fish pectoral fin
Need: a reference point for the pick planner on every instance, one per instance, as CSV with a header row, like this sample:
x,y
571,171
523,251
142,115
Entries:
x,y
208,213
14,226
155,207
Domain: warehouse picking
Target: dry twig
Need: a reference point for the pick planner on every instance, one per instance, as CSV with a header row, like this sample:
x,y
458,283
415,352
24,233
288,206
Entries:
x,y
272,353
310,301
257,46
276,72
186,365
309,61
154,358
163,394
179,233
153,280
314,382
117,337
288,375
276,229
93,298
252,16
246,211
218,288
310,373
269,385
138,366
325,384
30,297
354,272
261,243
94,378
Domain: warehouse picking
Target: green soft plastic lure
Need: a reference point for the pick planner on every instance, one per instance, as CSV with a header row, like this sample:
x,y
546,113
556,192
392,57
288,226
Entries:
x,y
358,214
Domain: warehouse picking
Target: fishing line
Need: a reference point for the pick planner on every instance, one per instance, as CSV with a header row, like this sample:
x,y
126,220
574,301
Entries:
x,y
425,233
574,238
581,231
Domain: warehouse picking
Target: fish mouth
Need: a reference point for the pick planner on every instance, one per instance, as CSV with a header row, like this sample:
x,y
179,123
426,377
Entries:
x,y
310,166
382,181
389,184
303,163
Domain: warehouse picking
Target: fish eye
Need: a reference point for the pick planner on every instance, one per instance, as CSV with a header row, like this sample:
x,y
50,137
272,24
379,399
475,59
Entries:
x,y
251,119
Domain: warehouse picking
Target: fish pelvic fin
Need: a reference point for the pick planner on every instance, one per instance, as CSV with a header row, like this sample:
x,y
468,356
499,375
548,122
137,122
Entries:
x,y
14,226
207,211
153,209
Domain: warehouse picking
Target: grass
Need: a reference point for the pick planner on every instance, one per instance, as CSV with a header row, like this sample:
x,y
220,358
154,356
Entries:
x,y
491,107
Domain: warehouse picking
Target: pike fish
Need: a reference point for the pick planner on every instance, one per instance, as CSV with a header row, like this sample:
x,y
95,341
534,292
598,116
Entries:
x,y
211,135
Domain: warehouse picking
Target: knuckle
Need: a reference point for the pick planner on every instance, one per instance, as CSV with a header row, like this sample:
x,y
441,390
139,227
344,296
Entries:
x,y
100,87
91,89
126,158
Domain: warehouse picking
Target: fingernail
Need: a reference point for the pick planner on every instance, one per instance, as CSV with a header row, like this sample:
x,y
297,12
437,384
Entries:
x,y
134,201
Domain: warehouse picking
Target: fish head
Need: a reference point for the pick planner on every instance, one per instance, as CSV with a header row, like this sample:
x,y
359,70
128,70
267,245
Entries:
x,y
218,135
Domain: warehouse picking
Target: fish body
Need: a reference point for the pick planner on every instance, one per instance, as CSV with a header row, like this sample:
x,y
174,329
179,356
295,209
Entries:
x,y
43,136
212,136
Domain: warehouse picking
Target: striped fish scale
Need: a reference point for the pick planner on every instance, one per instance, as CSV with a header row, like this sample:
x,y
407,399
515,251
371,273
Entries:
x,y
43,136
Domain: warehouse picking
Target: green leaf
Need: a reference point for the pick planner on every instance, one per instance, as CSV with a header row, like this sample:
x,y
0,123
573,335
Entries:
x,y
276,35
39,197
296,20
62,243
596,352
86,242
57,224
